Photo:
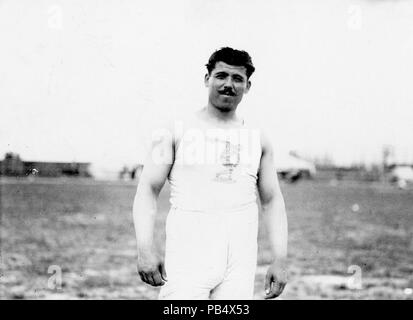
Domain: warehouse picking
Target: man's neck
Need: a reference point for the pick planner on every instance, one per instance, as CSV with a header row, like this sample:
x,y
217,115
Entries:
x,y
215,115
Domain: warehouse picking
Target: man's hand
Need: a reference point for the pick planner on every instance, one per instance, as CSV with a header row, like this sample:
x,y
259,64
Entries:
x,y
275,280
151,270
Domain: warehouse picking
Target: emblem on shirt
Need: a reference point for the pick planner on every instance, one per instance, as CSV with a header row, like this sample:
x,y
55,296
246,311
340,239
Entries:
x,y
229,160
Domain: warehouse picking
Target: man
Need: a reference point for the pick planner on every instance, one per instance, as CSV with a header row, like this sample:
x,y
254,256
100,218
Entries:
x,y
215,162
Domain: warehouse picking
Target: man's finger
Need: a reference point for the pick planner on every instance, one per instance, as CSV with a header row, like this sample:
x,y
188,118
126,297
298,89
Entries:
x,y
163,271
273,292
157,279
143,276
151,280
276,289
268,280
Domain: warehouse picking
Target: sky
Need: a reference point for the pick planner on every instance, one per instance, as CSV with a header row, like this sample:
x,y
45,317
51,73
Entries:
x,y
88,80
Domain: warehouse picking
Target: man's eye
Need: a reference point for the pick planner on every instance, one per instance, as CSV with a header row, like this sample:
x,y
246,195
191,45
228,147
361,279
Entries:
x,y
220,76
238,79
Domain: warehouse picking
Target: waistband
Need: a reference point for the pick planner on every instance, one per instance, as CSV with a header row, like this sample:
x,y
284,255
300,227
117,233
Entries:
x,y
246,208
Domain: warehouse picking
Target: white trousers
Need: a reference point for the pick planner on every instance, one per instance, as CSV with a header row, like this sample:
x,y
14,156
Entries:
x,y
210,255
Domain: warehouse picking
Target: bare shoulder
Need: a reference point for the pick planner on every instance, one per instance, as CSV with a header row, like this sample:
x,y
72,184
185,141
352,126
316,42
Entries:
x,y
163,131
266,142
170,127
170,131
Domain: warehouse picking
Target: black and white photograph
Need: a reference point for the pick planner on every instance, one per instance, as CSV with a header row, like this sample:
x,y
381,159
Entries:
x,y
206,150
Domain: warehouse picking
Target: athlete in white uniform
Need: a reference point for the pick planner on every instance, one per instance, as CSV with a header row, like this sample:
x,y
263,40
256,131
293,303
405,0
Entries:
x,y
215,164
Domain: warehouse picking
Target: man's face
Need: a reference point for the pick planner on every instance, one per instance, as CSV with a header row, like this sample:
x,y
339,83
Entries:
x,y
227,85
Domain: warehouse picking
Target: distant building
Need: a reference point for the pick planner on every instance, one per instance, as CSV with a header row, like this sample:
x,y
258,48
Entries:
x,y
12,165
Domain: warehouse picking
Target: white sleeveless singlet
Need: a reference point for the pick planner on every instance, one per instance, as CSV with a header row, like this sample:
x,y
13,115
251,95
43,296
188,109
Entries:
x,y
215,169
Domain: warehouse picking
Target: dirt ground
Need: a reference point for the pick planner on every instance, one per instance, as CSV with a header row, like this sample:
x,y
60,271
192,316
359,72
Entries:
x,y
347,240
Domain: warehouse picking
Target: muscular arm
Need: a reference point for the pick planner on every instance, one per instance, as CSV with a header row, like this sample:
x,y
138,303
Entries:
x,y
155,172
273,210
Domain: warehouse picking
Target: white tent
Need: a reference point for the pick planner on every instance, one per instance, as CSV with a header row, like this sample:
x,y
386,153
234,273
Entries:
x,y
291,164
402,173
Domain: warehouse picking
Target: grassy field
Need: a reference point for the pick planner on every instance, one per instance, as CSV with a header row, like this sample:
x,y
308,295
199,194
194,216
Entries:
x,y
85,228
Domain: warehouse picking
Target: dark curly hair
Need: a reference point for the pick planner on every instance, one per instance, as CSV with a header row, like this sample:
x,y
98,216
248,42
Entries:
x,y
233,57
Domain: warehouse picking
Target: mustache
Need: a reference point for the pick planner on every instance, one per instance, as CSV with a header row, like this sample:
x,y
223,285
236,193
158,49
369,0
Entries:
x,y
227,91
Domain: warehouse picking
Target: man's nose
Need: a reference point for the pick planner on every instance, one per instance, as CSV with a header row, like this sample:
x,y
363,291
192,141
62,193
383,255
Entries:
x,y
228,83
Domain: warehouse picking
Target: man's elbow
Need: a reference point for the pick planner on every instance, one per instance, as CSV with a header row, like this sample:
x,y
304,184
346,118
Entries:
x,y
144,198
273,203
147,189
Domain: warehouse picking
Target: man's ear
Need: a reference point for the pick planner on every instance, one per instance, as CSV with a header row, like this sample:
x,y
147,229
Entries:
x,y
206,80
248,86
